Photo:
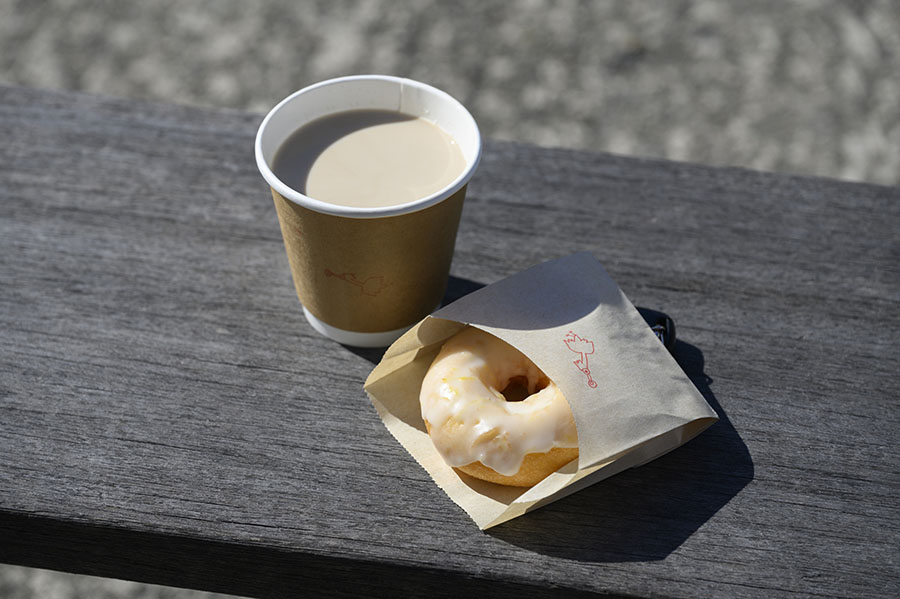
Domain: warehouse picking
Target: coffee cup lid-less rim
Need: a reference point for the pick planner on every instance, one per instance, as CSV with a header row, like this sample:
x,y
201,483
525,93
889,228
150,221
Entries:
x,y
359,92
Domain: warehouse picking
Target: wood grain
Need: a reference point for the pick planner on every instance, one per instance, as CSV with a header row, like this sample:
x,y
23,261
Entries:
x,y
167,415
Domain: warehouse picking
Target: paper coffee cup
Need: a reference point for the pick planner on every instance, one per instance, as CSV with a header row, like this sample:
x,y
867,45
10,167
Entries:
x,y
365,275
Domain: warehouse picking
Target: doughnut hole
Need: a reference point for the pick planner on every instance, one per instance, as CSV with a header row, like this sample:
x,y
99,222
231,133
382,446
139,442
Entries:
x,y
519,388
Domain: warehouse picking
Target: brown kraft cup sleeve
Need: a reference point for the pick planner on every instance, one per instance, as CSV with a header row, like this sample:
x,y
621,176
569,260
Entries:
x,y
370,275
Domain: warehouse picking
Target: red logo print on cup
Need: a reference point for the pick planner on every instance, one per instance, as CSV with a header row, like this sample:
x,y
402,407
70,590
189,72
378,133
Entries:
x,y
371,286
582,347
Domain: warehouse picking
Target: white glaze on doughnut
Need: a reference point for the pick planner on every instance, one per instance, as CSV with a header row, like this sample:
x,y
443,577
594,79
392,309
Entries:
x,y
470,420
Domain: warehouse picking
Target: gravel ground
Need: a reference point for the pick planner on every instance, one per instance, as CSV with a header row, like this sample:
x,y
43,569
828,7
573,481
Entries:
x,y
805,86
29,583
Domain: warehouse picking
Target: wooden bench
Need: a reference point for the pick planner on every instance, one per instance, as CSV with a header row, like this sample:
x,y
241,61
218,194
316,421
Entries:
x,y
167,415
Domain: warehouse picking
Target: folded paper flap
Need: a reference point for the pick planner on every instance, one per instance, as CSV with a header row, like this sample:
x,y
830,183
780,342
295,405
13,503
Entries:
x,y
544,296
572,320
396,380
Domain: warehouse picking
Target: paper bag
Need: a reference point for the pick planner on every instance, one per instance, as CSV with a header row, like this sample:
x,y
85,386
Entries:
x,y
630,399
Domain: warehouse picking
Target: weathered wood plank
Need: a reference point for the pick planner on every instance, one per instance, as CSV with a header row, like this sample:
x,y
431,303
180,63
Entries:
x,y
167,415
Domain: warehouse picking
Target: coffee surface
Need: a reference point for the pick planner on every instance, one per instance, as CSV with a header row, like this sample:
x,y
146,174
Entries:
x,y
368,158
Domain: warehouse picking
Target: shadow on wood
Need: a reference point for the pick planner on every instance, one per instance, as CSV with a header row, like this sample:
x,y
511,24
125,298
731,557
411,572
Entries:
x,y
243,568
645,513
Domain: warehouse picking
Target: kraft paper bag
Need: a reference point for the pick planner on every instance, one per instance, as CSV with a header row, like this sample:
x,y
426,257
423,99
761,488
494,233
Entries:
x,y
631,401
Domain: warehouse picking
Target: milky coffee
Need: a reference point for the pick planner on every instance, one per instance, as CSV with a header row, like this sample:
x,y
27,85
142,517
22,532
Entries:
x,y
368,158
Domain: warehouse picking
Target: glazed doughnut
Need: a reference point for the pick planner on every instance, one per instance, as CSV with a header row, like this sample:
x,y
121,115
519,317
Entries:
x,y
476,429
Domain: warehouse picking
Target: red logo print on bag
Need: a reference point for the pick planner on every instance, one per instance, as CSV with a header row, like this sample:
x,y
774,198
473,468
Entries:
x,y
371,286
582,347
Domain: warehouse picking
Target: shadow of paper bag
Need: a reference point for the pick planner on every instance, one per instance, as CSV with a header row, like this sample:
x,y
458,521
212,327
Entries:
x,y
631,401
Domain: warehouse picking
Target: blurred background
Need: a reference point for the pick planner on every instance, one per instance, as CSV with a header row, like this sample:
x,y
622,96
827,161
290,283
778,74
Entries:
x,y
807,87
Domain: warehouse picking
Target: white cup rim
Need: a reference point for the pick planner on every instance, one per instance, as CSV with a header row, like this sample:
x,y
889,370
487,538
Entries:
x,y
358,211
